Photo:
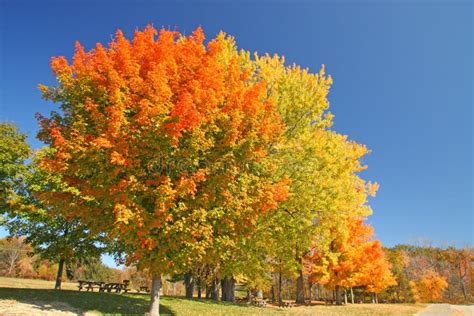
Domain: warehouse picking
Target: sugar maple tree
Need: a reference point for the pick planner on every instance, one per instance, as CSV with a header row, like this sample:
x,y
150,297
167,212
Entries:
x,y
353,259
375,271
338,193
161,143
320,165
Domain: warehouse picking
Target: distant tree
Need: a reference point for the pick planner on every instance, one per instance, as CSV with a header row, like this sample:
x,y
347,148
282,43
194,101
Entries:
x,y
459,261
12,252
46,270
418,269
138,278
429,287
92,269
399,261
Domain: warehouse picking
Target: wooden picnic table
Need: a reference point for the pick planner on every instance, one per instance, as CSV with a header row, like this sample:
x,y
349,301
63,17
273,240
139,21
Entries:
x,y
145,289
287,304
90,285
102,286
111,286
259,302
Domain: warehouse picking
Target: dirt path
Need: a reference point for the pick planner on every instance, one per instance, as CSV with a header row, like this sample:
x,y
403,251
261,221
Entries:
x,y
448,310
12,307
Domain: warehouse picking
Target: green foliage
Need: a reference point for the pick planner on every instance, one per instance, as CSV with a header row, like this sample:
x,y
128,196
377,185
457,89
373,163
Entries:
x,y
51,235
54,237
13,152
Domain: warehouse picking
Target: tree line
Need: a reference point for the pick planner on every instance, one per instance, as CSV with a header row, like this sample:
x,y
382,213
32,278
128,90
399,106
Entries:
x,y
423,274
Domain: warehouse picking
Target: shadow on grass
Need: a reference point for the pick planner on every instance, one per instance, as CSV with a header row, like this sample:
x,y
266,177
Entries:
x,y
106,303
206,301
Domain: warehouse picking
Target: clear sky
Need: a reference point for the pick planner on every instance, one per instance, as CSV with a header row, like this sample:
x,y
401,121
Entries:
x,y
402,70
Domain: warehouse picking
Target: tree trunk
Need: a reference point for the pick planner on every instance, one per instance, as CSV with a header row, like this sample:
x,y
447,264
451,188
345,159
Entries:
x,y
224,290
464,292
208,291
155,295
215,289
228,289
345,296
352,296
60,275
280,296
376,298
310,288
300,288
461,279
12,259
232,290
273,293
189,284
212,290
199,291
338,295
373,298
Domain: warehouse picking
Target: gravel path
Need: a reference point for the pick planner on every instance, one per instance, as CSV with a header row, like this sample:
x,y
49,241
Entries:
x,y
448,310
12,307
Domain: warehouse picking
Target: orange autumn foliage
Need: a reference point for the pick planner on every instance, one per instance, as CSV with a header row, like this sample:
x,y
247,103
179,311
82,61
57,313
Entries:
x,y
353,260
158,142
429,287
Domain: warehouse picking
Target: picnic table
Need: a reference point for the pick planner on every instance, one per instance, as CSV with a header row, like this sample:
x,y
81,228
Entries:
x,y
90,285
108,287
287,304
259,302
145,289
102,286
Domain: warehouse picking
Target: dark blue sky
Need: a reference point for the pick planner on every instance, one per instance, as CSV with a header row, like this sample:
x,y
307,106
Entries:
x,y
402,70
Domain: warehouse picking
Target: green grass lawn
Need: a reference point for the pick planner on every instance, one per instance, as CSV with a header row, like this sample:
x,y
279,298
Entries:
x,y
110,303
34,284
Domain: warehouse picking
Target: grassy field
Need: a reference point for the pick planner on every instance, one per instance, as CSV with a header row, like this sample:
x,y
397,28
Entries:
x,y
39,293
34,284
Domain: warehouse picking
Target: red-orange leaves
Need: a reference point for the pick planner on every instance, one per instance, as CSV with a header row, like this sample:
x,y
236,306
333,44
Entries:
x,y
280,190
57,137
117,159
60,66
354,259
185,113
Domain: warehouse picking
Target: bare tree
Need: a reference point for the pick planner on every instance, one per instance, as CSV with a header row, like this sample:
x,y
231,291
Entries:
x,y
11,251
